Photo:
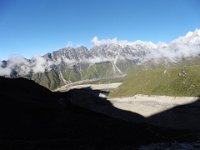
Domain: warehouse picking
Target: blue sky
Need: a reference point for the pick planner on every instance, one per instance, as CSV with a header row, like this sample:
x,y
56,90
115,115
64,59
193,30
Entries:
x,y
35,27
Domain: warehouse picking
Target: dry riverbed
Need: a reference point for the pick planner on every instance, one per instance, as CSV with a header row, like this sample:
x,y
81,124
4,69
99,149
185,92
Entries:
x,y
165,111
144,105
149,105
97,86
78,85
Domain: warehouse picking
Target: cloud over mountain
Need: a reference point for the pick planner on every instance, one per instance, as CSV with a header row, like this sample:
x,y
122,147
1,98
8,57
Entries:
x,y
23,66
96,42
184,46
106,50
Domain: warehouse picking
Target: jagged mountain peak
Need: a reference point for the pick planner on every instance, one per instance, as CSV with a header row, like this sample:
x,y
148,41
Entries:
x,y
111,50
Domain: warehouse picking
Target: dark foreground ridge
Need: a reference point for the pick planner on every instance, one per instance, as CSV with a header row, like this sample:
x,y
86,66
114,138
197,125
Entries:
x,y
32,117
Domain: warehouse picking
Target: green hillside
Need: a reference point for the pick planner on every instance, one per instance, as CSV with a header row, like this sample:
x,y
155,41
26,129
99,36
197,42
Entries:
x,y
64,74
171,81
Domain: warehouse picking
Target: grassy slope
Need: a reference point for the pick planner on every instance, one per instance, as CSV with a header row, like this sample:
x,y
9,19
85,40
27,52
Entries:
x,y
176,81
53,79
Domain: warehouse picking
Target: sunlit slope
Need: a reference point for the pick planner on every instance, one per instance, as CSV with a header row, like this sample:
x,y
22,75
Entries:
x,y
173,81
64,74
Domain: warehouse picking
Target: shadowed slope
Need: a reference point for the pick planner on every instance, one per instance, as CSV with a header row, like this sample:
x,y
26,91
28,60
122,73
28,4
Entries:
x,y
181,117
34,117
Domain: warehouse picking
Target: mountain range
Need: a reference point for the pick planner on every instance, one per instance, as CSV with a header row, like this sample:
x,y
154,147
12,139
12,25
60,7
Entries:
x,y
106,59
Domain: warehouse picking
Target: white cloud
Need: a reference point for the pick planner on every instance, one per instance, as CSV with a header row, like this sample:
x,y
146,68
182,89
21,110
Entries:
x,y
123,43
191,38
97,42
19,64
24,66
39,64
68,61
184,46
4,71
